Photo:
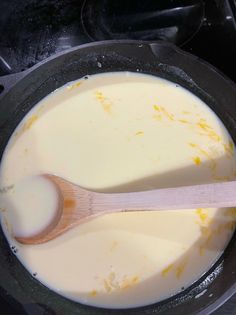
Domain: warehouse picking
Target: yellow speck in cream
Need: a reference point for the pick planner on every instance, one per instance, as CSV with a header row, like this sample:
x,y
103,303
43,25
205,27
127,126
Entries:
x,y
106,104
193,145
99,95
183,121
185,112
166,113
197,160
139,133
206,154
72,86
208,130
129,282
202,214
28,124
167,270
93,293
157,108
107,107
180,269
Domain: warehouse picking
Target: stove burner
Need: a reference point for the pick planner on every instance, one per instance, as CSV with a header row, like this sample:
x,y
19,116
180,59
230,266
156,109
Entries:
x,y
33,30
175,21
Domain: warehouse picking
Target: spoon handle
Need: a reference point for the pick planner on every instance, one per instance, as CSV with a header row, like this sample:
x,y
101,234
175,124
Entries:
x,y
215,195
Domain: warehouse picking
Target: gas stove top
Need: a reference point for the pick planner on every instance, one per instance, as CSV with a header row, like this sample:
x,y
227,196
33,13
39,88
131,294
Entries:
x,y
32,30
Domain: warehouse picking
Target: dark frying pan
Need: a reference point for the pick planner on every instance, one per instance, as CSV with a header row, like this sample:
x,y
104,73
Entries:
x,y
22,91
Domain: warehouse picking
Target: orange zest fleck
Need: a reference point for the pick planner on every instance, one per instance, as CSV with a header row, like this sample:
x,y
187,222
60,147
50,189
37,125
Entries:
x,y
93,293
206,154
106,104
208,130
157,108
203,216
129,282
166,113
99,95
193,145
180,269
72,86
197,160
28,124
184,121
139,133
167,270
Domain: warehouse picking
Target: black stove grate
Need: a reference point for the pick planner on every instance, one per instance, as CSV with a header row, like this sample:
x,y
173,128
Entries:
x,y
33,30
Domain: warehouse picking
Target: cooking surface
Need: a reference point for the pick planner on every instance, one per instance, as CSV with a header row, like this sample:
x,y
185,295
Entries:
x,y
34,30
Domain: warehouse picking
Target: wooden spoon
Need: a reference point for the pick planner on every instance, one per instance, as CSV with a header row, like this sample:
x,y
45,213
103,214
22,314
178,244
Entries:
x,y
77,205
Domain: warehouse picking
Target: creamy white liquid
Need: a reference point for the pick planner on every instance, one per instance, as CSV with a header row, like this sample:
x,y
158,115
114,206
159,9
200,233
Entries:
x,y
120,132
33,203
